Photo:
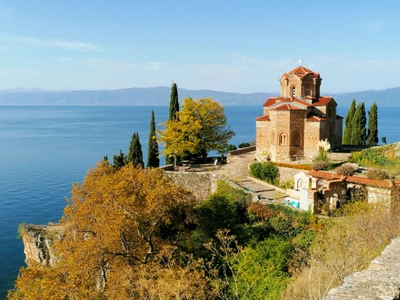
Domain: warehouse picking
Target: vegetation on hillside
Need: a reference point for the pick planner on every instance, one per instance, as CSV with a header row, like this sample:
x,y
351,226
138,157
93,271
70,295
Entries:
x,y
384,158
131,233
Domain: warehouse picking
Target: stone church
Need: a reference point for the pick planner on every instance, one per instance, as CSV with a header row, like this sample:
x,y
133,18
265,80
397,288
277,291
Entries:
x,y
293,123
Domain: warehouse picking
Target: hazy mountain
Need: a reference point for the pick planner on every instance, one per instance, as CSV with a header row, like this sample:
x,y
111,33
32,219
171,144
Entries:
x,y
160,96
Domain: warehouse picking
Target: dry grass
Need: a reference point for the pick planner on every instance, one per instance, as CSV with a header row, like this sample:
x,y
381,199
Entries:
x,y
347,245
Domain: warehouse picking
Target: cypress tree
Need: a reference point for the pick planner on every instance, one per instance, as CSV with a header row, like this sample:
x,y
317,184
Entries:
x,y
173,109
173,103
359,131
135,154
372,139
348,124
153,159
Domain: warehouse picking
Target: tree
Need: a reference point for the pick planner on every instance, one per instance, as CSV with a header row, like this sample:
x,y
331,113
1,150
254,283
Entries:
x,y
244,145
173,103
173,110
153,159
115,244
119,160
199,128
135,154
348,124
214,133
359,122
372,139
179,137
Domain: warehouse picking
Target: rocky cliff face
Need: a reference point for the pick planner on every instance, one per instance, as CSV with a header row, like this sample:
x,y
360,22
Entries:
x,y
38,240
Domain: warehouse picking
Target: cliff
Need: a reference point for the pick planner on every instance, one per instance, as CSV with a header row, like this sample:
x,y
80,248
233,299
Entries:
x,y
38,240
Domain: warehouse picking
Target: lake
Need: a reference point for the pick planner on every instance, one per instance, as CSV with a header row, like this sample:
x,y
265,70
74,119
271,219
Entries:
x,y
43,150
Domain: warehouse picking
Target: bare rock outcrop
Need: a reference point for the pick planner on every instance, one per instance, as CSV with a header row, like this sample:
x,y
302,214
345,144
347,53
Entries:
x,y
38,240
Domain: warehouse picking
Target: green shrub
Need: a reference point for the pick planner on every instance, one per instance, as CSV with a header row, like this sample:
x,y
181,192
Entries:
x,y
244,145
265,171
231,147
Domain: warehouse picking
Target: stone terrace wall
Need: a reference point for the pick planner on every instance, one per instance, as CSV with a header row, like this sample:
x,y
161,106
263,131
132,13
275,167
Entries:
x,y
202,184
381,281
287,174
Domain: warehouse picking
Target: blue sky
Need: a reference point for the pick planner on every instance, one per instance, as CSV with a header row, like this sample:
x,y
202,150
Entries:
x,y
236,46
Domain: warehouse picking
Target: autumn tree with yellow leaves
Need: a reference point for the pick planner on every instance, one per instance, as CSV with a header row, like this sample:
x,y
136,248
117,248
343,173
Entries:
x,y
122,228
200,127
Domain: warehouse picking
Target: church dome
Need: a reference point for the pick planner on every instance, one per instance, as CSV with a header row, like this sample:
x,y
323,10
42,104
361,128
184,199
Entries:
x,y
301,72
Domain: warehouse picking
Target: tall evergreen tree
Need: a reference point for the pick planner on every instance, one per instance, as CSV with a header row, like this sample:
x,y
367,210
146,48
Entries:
x,y
174,102
348,124
135,154
372,139
173,109
359,130
153,159
119,160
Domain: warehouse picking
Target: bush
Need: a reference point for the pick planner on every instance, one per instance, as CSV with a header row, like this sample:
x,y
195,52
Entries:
x,y
244,145
231,147
377,174
320,165
265,171
345,169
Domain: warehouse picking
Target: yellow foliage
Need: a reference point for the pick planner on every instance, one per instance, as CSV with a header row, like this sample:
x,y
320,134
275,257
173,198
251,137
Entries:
x,y
113,246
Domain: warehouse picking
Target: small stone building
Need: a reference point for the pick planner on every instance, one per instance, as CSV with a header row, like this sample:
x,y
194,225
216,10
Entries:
x,y
293,123
319,189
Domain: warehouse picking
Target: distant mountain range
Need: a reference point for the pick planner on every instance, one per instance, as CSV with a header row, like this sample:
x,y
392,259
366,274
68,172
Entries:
x,y
160,96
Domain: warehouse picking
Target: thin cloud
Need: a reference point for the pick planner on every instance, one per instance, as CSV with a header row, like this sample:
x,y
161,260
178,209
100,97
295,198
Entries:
x,y
123,66
75,46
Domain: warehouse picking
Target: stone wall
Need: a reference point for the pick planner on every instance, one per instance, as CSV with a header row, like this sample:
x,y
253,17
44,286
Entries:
x,y
381,280
202,184
287,174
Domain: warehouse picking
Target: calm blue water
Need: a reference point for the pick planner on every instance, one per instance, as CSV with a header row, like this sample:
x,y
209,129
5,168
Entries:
x,y
43,150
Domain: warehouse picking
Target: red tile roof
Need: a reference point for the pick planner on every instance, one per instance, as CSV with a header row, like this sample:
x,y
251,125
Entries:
x,y
370,182
302,102
322,101
301,72
324,175
354,179
287,107
263,118
274,100
315,119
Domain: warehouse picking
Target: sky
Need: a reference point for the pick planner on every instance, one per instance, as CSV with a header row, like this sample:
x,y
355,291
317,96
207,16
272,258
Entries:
x,y
231,45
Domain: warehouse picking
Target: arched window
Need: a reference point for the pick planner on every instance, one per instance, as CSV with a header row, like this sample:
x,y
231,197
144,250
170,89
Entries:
x,y
296,139
293,91
307,90
282,139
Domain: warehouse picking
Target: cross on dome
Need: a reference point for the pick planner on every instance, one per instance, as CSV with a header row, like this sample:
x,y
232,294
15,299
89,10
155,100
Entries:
x,y
300,62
